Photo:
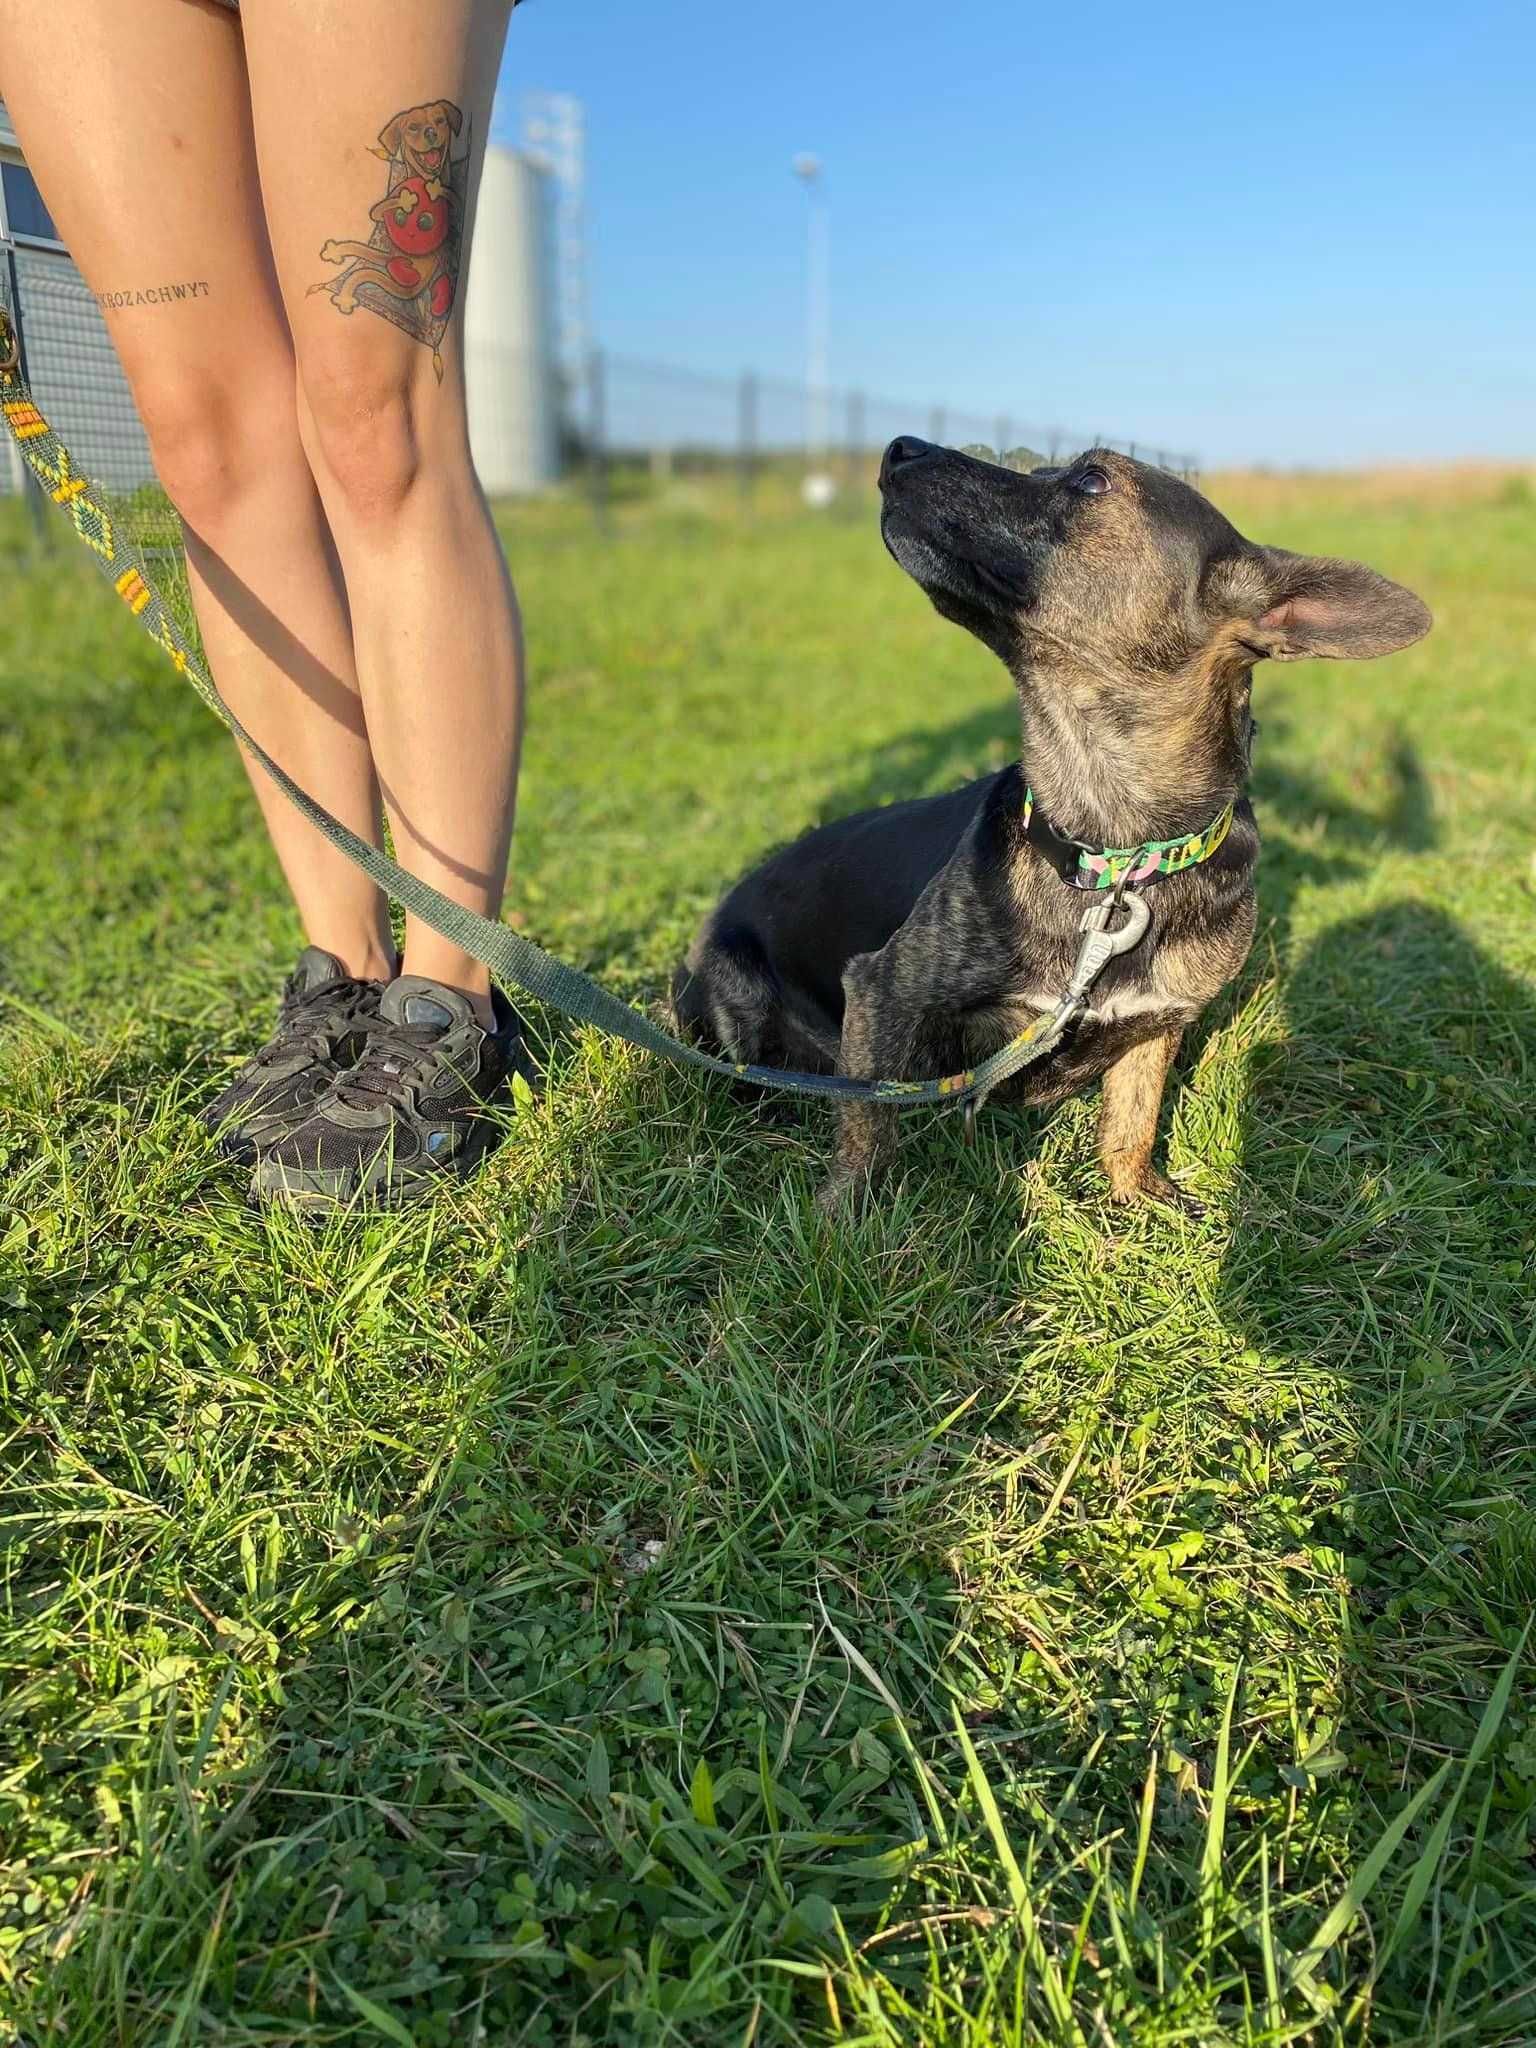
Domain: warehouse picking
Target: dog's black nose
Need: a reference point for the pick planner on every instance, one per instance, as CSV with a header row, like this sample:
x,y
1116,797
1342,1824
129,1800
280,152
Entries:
x,y
905,449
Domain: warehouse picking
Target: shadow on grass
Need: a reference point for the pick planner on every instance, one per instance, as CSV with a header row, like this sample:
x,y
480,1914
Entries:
x,y
925,761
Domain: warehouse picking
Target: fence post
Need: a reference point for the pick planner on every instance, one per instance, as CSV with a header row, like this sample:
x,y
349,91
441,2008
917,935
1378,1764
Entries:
x,y
746,437
1004,431
936,424
597,436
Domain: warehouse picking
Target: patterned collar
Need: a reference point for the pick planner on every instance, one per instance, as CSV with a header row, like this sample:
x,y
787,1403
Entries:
x,y
1088,867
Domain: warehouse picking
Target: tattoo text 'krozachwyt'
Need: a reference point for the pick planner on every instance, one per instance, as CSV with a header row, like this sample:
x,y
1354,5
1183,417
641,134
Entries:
x,y
152,295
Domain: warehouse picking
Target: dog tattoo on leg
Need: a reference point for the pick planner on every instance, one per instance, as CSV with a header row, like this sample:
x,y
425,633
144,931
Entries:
x,y
409,270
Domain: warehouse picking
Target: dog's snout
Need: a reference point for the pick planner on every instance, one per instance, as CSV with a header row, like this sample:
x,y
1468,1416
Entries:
x,y
902,452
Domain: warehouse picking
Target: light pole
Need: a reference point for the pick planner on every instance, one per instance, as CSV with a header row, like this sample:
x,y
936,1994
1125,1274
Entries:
x,y
807,168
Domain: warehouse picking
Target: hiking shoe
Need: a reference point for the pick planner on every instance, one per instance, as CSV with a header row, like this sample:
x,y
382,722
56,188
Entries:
x,y
319,1031
410,1114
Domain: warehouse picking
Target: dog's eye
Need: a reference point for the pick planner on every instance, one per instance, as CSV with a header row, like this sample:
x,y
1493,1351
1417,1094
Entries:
x,y
1093,483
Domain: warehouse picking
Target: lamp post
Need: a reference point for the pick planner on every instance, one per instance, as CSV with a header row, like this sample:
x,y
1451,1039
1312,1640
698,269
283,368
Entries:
x,y
819,486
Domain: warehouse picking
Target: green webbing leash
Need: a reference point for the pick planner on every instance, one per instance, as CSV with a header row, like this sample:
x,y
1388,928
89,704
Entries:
x,y
515,961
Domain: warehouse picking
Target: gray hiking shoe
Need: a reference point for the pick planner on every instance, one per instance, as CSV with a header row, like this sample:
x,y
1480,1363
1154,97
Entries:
x,y
409,1115
320,1027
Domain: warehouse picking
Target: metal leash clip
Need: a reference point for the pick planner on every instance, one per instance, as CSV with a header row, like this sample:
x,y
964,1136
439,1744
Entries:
x,y
1099,945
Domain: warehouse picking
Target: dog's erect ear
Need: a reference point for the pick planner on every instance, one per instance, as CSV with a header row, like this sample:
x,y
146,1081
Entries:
x,y
1310,607
389,139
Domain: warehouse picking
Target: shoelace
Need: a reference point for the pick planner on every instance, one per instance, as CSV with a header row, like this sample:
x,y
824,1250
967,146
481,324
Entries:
x,y
296,1013
396,1057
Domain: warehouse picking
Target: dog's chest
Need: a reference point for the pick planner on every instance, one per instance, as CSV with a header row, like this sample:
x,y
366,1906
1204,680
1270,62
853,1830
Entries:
x,y
1138,998
1098,1036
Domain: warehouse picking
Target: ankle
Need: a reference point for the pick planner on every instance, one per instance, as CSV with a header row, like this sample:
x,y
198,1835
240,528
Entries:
x,y
484,1008
465,977
368,959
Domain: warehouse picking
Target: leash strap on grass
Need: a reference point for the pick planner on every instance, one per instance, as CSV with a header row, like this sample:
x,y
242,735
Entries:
x,y
515,961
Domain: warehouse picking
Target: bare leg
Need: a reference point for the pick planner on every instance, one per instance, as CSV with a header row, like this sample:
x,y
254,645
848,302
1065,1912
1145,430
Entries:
x,y
1128,1112
357,103
153,184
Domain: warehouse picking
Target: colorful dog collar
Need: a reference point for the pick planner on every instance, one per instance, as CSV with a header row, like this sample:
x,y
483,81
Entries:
x,y
1086,867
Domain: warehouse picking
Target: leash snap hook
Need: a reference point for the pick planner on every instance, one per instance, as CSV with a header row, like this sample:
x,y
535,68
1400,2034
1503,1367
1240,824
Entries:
x,y
1099,944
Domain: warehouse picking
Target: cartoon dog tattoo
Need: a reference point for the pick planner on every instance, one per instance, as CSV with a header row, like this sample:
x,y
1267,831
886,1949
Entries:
x,y
409,270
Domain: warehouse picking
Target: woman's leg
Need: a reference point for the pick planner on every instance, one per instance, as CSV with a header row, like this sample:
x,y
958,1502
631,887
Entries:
x,y
370,123
141,141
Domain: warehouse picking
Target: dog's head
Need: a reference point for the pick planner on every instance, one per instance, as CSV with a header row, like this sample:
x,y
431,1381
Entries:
x,y
420,137
1109,568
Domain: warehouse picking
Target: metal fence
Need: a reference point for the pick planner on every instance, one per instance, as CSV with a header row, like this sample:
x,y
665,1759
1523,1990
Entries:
x,y
72,365
628,424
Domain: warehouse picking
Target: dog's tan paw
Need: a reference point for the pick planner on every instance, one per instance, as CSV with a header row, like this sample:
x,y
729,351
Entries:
x,y
1152,1186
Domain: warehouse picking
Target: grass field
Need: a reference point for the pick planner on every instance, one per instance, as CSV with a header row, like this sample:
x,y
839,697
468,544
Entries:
x,y
618,1606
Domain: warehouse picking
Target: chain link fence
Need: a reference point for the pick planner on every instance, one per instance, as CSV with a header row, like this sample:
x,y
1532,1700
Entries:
x,y
620,434
634,428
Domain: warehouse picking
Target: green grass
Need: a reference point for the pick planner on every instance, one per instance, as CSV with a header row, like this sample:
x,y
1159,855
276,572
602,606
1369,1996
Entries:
x,y
616,1605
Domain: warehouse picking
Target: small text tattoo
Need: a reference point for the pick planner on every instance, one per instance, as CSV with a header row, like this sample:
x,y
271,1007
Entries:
x,y
153,295
408,269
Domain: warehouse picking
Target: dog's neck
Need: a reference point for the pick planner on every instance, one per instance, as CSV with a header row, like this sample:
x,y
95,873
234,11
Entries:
x,y
1122,766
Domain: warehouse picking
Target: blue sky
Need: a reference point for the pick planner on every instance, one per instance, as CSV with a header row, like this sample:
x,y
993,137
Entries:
x,y
1294,235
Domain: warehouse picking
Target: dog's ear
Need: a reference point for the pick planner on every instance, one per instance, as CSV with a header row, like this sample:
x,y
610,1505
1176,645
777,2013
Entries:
x,y
1316,607
389,140
454,118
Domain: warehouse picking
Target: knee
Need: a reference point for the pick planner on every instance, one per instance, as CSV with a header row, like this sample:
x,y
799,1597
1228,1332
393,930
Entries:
x,y
362,418
211,441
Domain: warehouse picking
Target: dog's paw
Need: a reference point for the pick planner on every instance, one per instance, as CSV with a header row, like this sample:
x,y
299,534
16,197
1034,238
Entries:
x,y
1157,1188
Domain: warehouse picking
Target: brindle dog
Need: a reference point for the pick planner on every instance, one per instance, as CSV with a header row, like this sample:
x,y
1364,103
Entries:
x,y
912,941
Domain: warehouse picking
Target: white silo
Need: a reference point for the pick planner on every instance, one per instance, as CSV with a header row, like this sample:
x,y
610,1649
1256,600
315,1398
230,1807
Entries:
x,y
509,327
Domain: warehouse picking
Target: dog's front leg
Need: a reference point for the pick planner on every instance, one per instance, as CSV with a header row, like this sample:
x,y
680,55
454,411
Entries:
x,y
1128,1112
890,1032
866,1131
902,1011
